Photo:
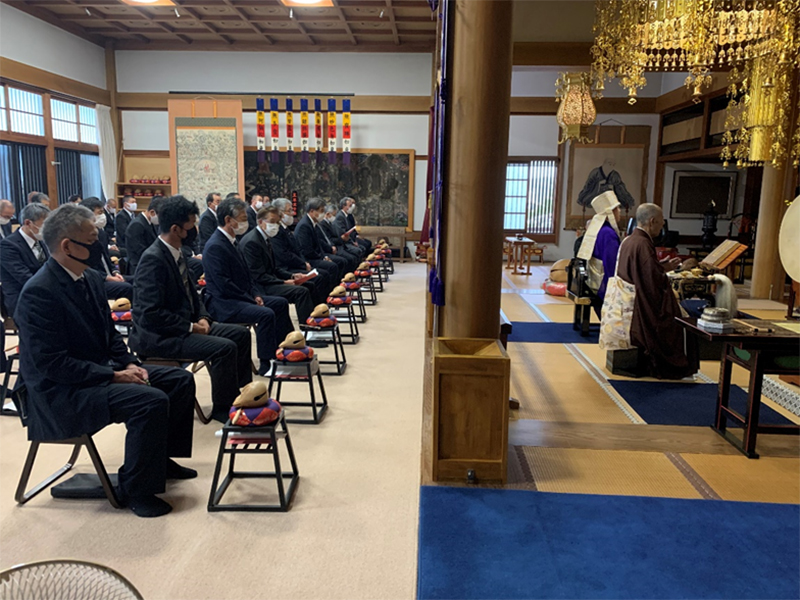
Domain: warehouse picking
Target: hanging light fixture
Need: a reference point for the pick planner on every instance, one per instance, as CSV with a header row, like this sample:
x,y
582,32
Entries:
x,y
576,111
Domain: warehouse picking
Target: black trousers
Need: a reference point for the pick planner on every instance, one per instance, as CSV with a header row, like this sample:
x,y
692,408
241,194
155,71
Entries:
x,y
118,289
366,245
158,418
341,263
272,321
195,266
226,351
330,268
298,295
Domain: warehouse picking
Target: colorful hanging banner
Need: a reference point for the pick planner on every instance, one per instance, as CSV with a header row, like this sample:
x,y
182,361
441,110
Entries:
x,y
346,131
331,130
289,130
318,128
275,130
304,129
261,131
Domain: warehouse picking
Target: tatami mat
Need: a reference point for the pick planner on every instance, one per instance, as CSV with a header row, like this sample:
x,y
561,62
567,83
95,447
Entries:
x,y
516,309
619,472
739,478
552,386
564,312
540,297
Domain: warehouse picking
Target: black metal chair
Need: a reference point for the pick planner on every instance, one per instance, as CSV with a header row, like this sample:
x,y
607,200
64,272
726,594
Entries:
x,y
302,372
22,495
333,336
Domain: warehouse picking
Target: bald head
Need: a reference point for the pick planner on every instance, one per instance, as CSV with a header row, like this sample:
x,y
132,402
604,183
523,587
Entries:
x,y
650,218
6,209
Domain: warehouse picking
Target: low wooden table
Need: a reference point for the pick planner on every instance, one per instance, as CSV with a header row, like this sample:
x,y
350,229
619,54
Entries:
x,y
520,252
763,349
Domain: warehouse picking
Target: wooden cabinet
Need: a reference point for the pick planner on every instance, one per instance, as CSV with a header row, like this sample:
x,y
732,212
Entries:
x,y
145,165
470,409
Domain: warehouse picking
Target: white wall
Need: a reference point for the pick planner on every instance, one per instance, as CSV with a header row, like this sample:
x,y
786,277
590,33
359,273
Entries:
x,y
28,40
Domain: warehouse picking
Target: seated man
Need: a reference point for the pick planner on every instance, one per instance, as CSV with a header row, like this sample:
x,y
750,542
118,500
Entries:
x,y
345,262
123,219
142,232
39,198
116,285
346,221
110,210
305,232
654,331
270,279
290,257
7,220
600,246
230,293
169,319
342,242
208,221
256,204
80,376
22,254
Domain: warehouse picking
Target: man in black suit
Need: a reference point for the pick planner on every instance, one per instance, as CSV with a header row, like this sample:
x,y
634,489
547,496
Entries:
x,y
305,245
170,320
7,220
80,376
75,199
116,285
332,245
142,232
343,244
124,218
22,254
346,221
39,198
208,221
270,279
109,210
230,292
307,234
256,203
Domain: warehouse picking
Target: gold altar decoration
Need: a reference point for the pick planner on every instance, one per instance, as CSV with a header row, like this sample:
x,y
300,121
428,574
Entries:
x,y
757,40
576,111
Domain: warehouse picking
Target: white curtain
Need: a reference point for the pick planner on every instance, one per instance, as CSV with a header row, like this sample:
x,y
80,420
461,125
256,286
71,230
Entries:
x,y
108,151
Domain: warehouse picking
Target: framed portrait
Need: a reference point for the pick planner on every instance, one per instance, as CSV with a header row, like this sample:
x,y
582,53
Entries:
x,y
694,191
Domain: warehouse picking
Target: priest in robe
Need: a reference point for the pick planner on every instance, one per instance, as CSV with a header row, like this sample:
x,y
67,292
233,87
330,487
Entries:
x,y
665,351
600,245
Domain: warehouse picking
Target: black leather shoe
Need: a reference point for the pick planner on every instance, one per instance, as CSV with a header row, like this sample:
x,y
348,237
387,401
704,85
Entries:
x,y
148,506
175,471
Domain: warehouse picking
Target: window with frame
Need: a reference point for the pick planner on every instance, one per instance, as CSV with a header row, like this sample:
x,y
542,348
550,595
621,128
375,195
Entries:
x,y
25,111
3,116
530,197
73,122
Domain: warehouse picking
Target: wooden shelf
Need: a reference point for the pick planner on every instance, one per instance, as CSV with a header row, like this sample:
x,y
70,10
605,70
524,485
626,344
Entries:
x,y
141,184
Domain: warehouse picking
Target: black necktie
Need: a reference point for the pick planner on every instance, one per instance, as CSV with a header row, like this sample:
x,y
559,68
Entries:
x,y
184,271
83,289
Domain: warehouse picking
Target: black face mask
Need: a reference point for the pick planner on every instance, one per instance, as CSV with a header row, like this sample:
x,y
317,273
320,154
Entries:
x,y
95,252
191,236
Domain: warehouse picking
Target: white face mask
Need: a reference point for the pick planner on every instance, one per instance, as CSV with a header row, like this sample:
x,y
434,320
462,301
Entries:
x,y
131,206
154,220
100,221
331,220
4,220
351,209
287,220
259,204
37,235
271,229
241,227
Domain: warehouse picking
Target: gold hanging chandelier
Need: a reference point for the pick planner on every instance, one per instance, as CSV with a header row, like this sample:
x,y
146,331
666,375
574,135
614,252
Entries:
x,y
576,111
757,40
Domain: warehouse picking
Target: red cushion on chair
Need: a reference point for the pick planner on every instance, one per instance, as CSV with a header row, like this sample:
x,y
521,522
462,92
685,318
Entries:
x,y
121,316
323,322
294,354
254,417
339,300
351,286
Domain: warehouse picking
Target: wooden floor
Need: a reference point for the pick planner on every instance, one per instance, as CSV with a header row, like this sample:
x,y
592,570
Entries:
x,y
573,433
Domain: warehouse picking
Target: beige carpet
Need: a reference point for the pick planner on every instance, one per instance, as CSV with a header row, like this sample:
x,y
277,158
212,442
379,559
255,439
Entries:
x,y
352,532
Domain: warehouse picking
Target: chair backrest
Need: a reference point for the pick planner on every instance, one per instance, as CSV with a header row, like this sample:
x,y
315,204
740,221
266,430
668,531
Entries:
x,y
65,580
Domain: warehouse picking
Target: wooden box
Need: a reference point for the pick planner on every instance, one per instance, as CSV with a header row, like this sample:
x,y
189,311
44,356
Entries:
x,y
470,409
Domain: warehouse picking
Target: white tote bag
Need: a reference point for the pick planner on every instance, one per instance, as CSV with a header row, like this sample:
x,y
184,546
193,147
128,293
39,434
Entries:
x,y
617,313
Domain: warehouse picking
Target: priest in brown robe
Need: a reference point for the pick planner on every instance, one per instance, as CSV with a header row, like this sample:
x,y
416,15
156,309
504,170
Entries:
x,y
664,349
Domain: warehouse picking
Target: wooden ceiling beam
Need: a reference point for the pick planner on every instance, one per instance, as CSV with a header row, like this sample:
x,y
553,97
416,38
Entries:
x,y
187,11
299,25
343,19
249,23
411,47
395,33
162,26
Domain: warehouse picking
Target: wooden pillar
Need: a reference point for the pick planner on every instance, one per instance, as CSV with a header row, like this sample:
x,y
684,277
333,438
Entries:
x,y
768,274
478,107
49,153
111,86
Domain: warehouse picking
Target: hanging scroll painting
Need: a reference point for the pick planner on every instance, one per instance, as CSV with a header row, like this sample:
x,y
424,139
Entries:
x,y
207,155
617,161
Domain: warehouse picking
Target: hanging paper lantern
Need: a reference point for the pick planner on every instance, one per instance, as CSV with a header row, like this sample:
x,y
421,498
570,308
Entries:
x,y
275,131
331,130
318,129
346,131
576,111
261,133
304,129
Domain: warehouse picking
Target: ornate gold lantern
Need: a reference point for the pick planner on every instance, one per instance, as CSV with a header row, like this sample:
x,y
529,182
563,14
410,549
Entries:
x,y
576,111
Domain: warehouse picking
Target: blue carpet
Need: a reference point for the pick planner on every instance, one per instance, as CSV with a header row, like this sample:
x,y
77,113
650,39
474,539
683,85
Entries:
x,y
482,543
693,404
551,333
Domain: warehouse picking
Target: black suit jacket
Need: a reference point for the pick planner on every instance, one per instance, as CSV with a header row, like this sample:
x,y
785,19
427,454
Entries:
x,y
227,277
68,352
7,229
342,221
141,234
252,218
105,257
207,226
306,235
325,242
287,251
333,233
162,310
260,259
109,223
17,265
121,223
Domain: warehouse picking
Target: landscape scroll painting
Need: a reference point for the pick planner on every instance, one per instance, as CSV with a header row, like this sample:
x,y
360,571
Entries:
x,y
381,183
206,156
